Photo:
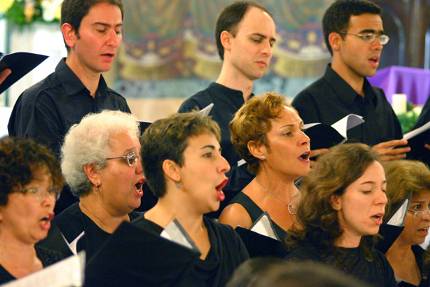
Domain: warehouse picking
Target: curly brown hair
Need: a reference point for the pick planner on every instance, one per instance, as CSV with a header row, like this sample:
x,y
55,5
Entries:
x,y
252,122
334,171
20,159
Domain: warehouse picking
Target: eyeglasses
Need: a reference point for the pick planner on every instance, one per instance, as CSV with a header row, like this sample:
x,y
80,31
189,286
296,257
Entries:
x,y
419,210
41,194
370,37
130,158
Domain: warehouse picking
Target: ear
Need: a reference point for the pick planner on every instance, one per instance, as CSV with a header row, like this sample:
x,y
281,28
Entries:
x,y
69,35
93,174
257,149
171,170
335,40
225,38
335,202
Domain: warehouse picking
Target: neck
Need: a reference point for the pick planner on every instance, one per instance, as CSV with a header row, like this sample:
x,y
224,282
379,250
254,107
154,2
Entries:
x,y
235,80
347,240
353,79
104,217
279,187
167,208
89,78
399,250
18,257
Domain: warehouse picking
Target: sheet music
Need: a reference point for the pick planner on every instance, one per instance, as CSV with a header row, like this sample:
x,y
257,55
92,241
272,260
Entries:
x,y
68,272
399,216
206,110
417,131
263,226
348,122
176,233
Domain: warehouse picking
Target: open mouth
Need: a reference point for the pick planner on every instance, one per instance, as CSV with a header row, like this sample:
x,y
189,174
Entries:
x,y
47,218
374,60
139,186
377,218
45,222
219,187
305,155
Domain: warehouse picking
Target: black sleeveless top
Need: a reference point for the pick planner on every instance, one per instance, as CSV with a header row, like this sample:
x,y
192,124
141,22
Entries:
x,y
255,212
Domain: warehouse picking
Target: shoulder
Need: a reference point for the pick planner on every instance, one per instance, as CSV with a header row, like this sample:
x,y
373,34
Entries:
x,y
70,221
225,231
235,215
40,91
198,101
48,256
115,95
147,225
309,93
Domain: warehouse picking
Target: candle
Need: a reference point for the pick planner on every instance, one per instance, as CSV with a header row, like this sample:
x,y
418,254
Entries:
x,y
398,102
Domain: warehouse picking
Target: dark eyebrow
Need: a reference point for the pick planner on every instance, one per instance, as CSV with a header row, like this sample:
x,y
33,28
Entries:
x,y
380,32
107,25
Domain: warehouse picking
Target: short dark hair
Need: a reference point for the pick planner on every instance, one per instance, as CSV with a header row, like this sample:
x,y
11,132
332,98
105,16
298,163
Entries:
x,y
336,17
20,159
72,11
166,139
230,17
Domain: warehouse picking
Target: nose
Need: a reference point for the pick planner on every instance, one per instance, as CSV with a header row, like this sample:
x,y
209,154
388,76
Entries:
x,y
426,215
223,166
381,198
139,167
377,45
304,139
114,39
49,199
267,48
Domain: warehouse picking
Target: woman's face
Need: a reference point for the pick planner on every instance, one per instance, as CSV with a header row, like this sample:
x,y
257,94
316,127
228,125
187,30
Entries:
x,y
202,174
417,220
28,213
121,182
288,146
362,206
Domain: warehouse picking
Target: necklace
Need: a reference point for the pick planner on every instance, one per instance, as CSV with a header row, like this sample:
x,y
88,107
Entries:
x,y
291,204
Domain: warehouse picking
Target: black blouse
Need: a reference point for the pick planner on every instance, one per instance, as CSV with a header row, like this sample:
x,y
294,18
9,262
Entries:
x,y
227,252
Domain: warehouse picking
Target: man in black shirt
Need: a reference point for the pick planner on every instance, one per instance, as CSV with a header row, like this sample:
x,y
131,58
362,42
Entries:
x,y
355,37
92,32
245,35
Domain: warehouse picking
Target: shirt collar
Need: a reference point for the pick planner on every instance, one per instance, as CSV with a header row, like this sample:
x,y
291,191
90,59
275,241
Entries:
x,y
234,96
72,84
344,91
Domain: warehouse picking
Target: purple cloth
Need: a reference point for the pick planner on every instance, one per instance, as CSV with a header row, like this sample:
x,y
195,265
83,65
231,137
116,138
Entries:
x,y
413,82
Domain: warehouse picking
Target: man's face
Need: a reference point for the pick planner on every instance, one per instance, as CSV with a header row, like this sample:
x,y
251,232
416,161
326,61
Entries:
x,y
95,45
356,56
249,50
